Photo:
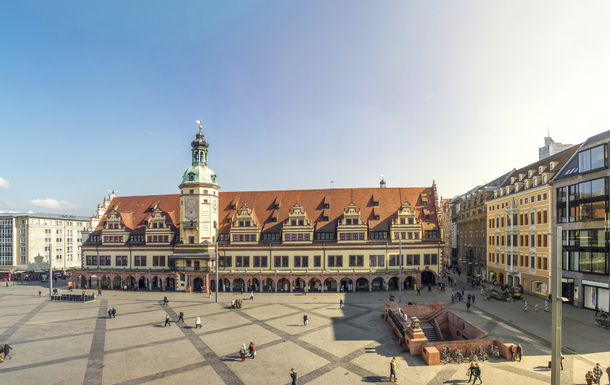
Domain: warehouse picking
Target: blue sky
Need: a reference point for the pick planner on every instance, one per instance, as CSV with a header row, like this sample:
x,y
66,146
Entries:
x,y
96,96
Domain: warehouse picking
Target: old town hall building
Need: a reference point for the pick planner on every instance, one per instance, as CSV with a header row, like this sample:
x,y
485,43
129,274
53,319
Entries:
x,y
293,240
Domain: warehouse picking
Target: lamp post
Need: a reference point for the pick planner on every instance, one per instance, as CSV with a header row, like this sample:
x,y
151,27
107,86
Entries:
x,y
438,259
216,253
556,309
50,272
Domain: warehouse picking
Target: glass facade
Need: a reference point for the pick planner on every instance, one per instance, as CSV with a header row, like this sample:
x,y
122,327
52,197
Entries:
x,y
6,241
585,251
586,201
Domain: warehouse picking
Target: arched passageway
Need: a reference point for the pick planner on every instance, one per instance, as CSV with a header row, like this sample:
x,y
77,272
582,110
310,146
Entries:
x,y
362,284
330,284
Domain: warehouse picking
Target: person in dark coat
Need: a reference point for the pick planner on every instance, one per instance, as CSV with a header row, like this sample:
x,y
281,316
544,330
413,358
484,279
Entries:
x,y
467,306
165,300
340,304
471,370
113,313
477,373
167,321
293,375
181,317
473,298
7,349
512,352
519,352
109,313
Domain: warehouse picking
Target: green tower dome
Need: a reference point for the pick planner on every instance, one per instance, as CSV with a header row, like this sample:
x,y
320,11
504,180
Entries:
x,y
199,173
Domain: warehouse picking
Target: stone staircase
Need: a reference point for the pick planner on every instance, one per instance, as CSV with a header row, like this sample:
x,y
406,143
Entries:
x,y
429,332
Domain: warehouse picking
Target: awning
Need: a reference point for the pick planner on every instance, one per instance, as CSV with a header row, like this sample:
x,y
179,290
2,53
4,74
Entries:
x,y
192,256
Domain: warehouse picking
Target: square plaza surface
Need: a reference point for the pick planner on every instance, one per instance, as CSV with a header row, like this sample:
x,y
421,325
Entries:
x,y
75,343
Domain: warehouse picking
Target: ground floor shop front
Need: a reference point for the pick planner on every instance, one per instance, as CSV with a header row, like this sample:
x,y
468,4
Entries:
x,y
532,283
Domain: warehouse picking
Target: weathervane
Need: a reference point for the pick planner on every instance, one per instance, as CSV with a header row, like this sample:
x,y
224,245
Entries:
x,y
199,125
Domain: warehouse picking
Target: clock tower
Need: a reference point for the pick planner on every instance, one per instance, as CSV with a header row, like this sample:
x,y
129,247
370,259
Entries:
x,y
199,198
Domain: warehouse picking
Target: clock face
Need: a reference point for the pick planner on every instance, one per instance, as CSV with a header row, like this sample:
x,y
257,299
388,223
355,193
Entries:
x,y
191,209
214,205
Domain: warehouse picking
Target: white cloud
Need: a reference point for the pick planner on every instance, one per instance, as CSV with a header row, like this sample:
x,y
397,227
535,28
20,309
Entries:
x,y
3,183
9,204
54,204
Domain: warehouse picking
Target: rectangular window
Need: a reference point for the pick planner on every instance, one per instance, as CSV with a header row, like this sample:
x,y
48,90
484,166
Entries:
x,y
257,262
349,236
342,236
409,259
285,261
539,217
305,261
143,260
592,159
434,259
545,264
297,261
360,260
287,237
339,261
136,260
264,261
278,261
246,261
539,240
502,261
373,261
533,240
426,259
331,261
416,259
380,260
238,262
118,260
352,260
317,261
307,237
545,240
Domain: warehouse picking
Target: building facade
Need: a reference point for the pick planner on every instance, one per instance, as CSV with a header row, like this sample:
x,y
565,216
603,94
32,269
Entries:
x,y
279,241
471,215
24,236
519,221
581,207
551,148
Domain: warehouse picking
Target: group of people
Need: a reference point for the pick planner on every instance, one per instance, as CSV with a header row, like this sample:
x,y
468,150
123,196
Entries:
x,y
5,349
594,376
236,304
517,351
251,349
112,313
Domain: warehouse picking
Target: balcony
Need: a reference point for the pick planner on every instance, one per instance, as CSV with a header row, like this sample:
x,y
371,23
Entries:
x,y
189,224
201,269
512,268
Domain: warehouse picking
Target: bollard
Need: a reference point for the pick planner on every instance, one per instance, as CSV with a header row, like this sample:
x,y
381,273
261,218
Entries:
x,y
536,307
525,306
546,305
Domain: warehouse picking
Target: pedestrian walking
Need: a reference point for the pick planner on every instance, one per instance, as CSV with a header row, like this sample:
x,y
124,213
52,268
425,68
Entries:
x,y
597,370
596,310
473,298
198,323
467,306
470,372
99,291
305,320
589,377
562,357
7,348
463,288
452,298
393,369
165,300
180,317
512,352
252,350
252,295
519,352
39,293
418,291
242,290
608,373
469,297
242,352
340,304
1,353
477,373
210,293
293,375
109,313
167,319
113,313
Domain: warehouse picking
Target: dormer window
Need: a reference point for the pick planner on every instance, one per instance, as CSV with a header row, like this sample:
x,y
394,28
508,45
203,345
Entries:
x,y
233,207
277,206
544,179
520,177
326,205
540,169
191,191
425,203
512,180
274,220
301,223
241,223
536,182
325,219
247,223
552,165
496,194
529,174
376,204
293,222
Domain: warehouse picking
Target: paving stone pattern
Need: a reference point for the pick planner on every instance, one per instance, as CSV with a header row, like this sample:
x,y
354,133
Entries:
x,y
74,343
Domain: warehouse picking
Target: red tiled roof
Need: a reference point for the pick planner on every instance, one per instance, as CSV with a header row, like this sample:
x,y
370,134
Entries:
x,y
135,210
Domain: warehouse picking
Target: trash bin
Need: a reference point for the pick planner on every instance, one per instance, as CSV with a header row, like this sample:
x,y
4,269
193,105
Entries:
x,y
391,297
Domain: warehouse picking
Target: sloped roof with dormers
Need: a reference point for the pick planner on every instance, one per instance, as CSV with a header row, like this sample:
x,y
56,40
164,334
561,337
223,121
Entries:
x,y
370,202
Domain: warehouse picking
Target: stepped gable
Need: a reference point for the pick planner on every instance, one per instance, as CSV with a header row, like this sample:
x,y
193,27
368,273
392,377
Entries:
x,y
134,210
